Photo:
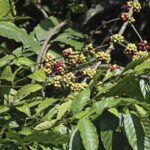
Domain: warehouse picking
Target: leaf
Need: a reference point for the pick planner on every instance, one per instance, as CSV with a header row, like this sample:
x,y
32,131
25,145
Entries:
x,y
47,138
107,138
6,8
24,61
63,109
134,132
92,13
75,141
38,75
80,100
98,107
145,89
11,31
45,104
125,87
6,60
140,69
25,109
45,125
7,74
27,90
133,64
66,38
108,125
3,109
41,30
88,134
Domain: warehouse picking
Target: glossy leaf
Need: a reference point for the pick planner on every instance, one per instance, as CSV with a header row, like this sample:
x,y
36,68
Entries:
x,y
80,100
88,134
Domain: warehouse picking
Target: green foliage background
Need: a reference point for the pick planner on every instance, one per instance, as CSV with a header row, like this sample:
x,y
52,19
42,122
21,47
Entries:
x,y
113,113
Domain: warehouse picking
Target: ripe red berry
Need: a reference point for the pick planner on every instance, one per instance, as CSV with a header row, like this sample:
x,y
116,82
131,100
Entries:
x,y
143,45
59,67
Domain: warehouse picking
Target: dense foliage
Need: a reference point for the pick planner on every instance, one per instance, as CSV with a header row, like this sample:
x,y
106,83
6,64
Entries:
x,y
74,75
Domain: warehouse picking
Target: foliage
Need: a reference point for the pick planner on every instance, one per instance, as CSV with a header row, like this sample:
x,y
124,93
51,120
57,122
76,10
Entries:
x,y
70,85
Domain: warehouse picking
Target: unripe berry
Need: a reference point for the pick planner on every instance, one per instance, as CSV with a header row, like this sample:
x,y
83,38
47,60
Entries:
x,y
136,6
102,56
49,57
56,82
67,52
130,50
47,68
89,50
139,54
69,78
89,72
116,38
77,87
76,58
131,20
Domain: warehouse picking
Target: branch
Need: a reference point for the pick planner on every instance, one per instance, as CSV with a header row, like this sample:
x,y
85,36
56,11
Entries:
x,y
45,45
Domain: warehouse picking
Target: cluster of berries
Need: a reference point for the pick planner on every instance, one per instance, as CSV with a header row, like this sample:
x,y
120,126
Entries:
x,y
59,67
74,57
125,17
116,38
57,70
48,63
89,50
125,14
76,87
102,56
131,49
139,54
52,66
136,6
143,45
89,72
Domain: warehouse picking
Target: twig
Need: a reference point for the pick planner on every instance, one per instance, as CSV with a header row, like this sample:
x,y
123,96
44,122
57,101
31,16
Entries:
x,y
121,31
45,45
133,27
45,15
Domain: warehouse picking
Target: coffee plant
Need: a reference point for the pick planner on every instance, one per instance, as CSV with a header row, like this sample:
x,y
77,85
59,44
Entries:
x,y
74,75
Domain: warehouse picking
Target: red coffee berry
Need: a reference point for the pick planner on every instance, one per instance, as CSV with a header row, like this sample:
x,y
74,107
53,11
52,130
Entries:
x,y
59,67
143,45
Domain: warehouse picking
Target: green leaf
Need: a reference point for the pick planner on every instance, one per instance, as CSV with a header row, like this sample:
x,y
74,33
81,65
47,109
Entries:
x,y
7,74
144,67
41,30
65,38
45,104
3,109
25,109
63,109
80,100
121,88
7,8
11,31
108,125
24,61
47,138
145,89
88,134
38,75
134,132
6,60
45,125
98,107
27,90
